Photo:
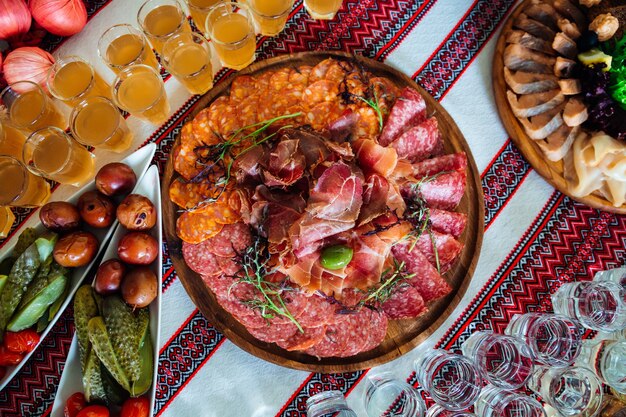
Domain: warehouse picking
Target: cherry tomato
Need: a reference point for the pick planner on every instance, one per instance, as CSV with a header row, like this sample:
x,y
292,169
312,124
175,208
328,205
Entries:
x,y
136,407
94,411
8,358
74,404
21,342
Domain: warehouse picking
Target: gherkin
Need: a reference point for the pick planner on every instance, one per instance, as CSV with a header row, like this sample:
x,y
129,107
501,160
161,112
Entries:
x,y
101,344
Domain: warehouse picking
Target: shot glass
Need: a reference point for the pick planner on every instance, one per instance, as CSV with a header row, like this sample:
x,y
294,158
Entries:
x,y
11,141
161,19
230,27
322,9
53,154
571,391
29,108
328,403
439,411
451,380
123,45
498,402
7,218
199,9
389,397
504,361
270,15
187,57
616,275
97,122
139,90
598,305
72,79
606,359
553,340
19,187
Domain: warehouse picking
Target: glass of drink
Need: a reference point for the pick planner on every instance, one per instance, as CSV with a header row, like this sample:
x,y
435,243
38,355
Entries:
x,y
553,340
139,90
327,404
187,57
270,15
389,397
498,402
571,391
322,9
199,10
19,187
451,380
97,122
160,19
606,359
29,108
11,141
598,305
123,45
616,275
7,218
51,153
438,411
504,361
230,27
72,79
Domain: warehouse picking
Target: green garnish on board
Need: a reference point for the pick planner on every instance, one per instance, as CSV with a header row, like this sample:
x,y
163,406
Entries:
x,y
390,279
617,49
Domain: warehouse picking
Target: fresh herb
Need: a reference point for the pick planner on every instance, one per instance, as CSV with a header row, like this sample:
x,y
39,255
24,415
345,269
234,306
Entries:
x,y
390,280
617,50
255,267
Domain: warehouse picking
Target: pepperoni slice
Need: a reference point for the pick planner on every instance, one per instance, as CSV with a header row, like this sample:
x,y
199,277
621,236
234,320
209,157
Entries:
x,y
190,194
184,164
337,71
320,116
248,110
300,76
280,80
367,124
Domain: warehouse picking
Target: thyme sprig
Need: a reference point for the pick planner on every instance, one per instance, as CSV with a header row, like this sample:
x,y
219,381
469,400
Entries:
x,y
254,263
390,279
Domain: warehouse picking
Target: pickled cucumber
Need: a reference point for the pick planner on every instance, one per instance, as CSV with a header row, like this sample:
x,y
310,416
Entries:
x,y
38,284
42,323
56,306
93,383
101,344
31,312
26,238
85,308
114,392
143,384
3,280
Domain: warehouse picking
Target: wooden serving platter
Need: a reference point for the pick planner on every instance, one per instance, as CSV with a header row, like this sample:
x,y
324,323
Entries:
x,y
402,335
550,171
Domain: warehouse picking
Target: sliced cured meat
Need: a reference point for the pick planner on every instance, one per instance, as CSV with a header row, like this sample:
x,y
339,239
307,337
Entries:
x,y
248,110
231,240
242,88
368,259
408,111
341,129
303,340
375,194
318,72
194,227
373,157
318,312
443,191
286,164
443,163
430,284
188,195
345,338
405,302
448,222
378,330
440,249
419,142
367,124
200,259
223,288
229,266
300,76
319,92
386,92
322,114
273,332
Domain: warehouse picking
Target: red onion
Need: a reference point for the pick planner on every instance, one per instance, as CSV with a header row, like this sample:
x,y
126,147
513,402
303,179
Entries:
x,y
27,64
14,18
60,17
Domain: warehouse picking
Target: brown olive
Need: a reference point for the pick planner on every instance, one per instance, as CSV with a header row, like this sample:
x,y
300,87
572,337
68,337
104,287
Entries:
x,y
136,212
96,209
75,249
139,287
60,216
138,248
115,178
109,276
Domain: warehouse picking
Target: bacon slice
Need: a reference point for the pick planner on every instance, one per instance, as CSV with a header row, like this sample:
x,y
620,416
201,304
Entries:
x,y
408,111
443,163
375,158
430,284
419,142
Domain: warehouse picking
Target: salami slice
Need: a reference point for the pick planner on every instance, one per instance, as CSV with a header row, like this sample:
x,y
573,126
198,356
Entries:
x,y
300,76
317,312
367,126
228,265
319,92
323,114
248,110
419,142
231,240
445,251
280,80
242,88
344,338
445,191
378,330
303,341
196,227
185,162
319,71
408,111
449,222
190,194
450,162
430,284
405,302
200,259
274,332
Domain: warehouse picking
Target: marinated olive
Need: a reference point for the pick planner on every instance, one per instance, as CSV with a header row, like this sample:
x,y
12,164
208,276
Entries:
x,y
96,210
138,248
75,249
115,178
139,287
336,256
109,276
60,216
136,212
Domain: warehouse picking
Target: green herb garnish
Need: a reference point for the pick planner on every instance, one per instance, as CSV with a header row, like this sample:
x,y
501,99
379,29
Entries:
x,y
390,279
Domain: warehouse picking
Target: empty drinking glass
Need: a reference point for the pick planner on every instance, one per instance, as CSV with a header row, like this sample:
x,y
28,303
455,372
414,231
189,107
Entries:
x,y
599,305
616,275
571,391
553,340
327,404
451,380
389,397
606,359
497,402
504,361
439,411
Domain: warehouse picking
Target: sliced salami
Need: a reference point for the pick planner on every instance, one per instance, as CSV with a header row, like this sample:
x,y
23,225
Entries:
x,y
227,265
449,222
318,72
273,333
344,338
444,252
378,330
408,111
445,191
231,240
317,312
319,92
200,259
242,88
430,284
405,302
419,142
443,163
303,340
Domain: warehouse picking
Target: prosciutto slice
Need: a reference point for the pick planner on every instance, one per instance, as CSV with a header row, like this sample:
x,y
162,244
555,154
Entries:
x,y
286,164
375,195
368,259
430,284
408,111
419,142
375,158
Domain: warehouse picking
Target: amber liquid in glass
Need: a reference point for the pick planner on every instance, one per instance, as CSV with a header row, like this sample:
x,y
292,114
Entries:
x,y
32,111
199,9
74,169
102,126
129,49
6,221
191,65
142,95
19,190
12,142
235,31
75,81
270,15
164,21
322,9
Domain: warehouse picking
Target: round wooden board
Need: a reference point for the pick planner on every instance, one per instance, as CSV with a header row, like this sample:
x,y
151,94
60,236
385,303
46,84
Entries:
x,y
550,171
403,335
